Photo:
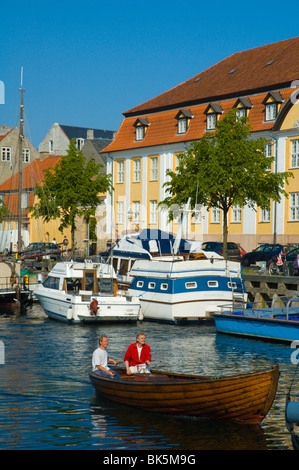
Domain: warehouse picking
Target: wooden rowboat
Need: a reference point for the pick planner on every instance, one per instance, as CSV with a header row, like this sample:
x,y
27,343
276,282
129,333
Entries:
x,y
244,398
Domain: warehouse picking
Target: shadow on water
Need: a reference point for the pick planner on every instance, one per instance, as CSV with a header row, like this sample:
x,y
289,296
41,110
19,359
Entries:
x,y
48,402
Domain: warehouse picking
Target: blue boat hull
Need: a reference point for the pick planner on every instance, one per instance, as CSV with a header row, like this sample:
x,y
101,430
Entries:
x,y
279,330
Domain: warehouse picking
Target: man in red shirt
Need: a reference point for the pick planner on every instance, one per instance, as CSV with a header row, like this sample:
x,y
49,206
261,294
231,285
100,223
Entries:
x,y
138,356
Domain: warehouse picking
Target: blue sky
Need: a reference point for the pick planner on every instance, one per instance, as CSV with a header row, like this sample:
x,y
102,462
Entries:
x,y
84,63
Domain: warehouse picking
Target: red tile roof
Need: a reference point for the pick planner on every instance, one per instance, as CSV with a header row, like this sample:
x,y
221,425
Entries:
x,y
31,175
249,74
272,66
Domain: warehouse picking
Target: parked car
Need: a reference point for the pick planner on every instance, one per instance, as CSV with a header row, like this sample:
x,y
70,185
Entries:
x,y
37,250
242,251
265,252
233,252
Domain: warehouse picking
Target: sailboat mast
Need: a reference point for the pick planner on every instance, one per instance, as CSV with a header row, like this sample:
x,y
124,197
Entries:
x,y
21,138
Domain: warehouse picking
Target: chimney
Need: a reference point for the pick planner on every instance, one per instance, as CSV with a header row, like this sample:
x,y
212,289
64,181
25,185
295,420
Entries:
x,y
90,134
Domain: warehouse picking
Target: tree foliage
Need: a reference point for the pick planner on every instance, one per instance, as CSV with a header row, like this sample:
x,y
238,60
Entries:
x,y
4,212
224,169
70,189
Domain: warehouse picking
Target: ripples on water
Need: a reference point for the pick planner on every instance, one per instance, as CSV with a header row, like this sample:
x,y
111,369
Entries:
x,y
47,401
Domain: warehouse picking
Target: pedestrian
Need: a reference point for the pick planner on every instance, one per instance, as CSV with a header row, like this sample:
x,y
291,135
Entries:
x,y
296,266
65,243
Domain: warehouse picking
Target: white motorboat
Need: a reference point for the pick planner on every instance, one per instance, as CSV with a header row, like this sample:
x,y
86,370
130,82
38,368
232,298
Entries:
x,y
175,289
81,292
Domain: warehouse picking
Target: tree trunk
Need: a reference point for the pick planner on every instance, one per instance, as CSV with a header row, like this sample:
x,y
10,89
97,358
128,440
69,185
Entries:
x,y
224,232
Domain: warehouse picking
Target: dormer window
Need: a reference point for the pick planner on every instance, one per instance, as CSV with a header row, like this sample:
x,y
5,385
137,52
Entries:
x,y
272,104
183,117
270,112
80,143
213,112
141,126
242,107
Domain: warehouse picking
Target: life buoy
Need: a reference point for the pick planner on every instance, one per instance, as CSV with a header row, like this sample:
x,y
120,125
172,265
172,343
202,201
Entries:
x,y
93,307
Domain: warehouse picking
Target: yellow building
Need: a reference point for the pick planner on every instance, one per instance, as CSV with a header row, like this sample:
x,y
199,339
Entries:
x,y
262,84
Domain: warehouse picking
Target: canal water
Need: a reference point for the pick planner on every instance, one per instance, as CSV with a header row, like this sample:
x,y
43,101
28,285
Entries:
x,y
48,403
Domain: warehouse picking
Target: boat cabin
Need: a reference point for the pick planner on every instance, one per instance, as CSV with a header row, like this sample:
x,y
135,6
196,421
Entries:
x,y
82,278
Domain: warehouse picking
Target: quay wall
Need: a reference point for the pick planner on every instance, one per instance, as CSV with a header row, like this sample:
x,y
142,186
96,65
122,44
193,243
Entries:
x,y
263,287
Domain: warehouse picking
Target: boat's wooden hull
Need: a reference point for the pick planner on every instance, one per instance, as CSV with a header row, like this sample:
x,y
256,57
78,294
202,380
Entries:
x,y
244,398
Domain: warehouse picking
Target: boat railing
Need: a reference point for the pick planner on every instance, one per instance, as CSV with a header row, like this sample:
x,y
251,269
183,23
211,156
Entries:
x,y
281,307
13,283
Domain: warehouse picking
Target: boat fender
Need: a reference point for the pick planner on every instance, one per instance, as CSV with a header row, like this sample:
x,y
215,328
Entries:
x,y
140,315
292,412
93,307
69,314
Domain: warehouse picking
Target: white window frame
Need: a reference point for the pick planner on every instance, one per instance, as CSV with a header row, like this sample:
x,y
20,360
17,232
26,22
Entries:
x,y
24,200
153,212
137,170
51,146
295,154
120,212
191,285
236,214
213,284
26,155
182,126
268,150
265,215
270,111
120,171
6,154
294,207
215,215
211,121
197,214
140,132
241,112
79,143
154,168
136,212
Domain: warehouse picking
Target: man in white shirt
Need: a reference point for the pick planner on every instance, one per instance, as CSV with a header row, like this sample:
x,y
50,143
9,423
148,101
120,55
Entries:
x,y
100,360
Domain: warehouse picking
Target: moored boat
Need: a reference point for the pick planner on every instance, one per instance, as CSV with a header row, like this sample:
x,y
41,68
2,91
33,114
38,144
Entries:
x,y
292,419
147,244
176,289
277,322
76,292
14,292
245,398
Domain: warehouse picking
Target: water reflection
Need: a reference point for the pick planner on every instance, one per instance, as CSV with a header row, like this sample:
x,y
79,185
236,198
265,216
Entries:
x,y
141,430
47,401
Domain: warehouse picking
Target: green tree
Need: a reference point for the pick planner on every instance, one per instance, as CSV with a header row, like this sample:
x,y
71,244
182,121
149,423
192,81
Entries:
x,y
4,212
70,189
224,169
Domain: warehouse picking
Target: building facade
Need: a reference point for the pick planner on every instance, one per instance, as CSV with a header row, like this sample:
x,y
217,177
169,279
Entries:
x,y
262,83
9,151
57,139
